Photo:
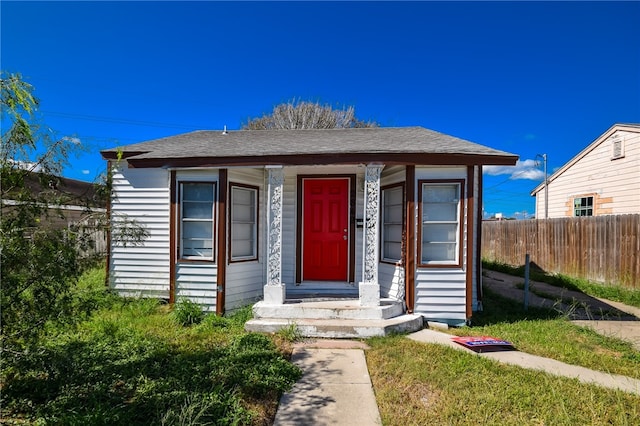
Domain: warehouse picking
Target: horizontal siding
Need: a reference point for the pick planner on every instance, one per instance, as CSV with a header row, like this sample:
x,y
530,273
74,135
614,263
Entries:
x,y
244,280
441,294
198,283
141,195
597,173
391,280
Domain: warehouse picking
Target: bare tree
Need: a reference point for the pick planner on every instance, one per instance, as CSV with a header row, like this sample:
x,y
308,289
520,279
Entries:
x,y
307,115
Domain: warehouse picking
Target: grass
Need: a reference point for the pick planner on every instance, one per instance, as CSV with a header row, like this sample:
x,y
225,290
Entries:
x,y
612,292
134,362
417,383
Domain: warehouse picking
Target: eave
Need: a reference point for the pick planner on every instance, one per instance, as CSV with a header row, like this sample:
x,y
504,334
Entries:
x,y
446,159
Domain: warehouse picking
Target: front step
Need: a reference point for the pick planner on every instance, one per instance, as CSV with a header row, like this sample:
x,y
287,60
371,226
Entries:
x,y
339,328
295,309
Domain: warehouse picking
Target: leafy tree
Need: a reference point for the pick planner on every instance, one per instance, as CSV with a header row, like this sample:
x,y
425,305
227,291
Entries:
x,y
307,115
39,265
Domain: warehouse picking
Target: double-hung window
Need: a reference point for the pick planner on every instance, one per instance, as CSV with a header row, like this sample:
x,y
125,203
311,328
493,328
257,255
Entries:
x,y
392,223
583,206
244,222
197,220
440,225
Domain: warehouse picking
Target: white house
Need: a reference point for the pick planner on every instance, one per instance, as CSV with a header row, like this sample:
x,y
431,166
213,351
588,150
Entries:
x,y
604,178
370,214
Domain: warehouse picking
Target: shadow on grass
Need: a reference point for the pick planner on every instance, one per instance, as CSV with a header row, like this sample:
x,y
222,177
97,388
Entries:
x,y
135,379
497,309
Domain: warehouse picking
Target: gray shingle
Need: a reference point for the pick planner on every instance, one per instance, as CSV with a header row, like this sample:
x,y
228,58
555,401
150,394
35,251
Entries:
x,y
258,143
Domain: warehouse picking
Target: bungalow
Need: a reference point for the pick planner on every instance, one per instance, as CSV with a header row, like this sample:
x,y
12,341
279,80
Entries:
x,y
371,214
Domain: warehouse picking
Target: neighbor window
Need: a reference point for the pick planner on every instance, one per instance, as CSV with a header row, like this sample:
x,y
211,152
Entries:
x,y
197,201
244,222
392,223
583,206
439,230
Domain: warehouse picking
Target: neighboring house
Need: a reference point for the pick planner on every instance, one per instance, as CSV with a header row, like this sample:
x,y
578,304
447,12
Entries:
x,y
234,217
69,201
604,178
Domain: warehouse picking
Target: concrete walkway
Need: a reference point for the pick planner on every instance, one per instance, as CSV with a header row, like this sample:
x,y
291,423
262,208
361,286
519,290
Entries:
x,y
535,362
335,388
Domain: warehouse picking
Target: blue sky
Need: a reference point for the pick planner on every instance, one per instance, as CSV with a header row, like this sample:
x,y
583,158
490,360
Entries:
x,y
525,77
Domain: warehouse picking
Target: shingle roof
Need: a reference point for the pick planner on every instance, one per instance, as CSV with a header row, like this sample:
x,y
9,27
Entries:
x,y
264,143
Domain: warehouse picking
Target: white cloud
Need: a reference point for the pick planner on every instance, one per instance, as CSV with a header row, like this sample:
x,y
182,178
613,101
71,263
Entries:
x,y
73,140
527,169
85,172
26,165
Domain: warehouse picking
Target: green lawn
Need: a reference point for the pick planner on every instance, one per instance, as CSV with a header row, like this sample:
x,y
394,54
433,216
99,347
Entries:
x,y
133,362
417,383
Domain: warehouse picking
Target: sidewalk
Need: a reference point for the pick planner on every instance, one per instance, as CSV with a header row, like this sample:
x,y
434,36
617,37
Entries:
x,y
335,388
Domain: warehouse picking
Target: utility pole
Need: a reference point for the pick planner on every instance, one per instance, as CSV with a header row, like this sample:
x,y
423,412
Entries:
x,y
546,186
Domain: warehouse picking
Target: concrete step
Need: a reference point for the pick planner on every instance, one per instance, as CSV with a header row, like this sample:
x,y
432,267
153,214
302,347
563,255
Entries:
x,y
339,328
296,309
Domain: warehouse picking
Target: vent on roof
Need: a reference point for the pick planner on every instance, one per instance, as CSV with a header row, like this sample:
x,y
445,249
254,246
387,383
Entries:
x,y
224,132
617,147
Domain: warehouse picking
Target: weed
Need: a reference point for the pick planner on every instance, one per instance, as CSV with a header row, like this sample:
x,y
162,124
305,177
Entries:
x,y
290,333
187,312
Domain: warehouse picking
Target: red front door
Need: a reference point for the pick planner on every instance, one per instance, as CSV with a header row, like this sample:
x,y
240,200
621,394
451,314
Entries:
x,y
325,229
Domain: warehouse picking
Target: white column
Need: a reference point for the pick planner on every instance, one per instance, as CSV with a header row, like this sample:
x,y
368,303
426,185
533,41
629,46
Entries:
x,y
274,290
369,288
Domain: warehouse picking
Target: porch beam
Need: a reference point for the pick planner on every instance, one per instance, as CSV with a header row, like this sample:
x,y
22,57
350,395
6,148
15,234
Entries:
x,y
274,290
369,288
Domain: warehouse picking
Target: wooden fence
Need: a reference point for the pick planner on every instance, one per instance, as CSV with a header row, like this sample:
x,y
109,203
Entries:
x,y
601,248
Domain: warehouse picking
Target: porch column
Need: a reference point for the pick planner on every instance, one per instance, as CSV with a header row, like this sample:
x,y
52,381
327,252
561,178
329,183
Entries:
x,y
369,288
274,290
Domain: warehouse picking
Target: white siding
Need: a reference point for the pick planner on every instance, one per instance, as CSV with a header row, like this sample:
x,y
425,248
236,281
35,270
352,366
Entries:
x,y
245,280
440,293
614,184
198,281
391,277
141,195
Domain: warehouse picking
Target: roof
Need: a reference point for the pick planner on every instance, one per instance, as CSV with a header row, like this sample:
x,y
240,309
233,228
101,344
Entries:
x,y
318,146
633,127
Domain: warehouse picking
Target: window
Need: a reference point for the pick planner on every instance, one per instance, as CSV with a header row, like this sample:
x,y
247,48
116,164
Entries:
x,y
439,231
392,222
244,222
583,206
197,201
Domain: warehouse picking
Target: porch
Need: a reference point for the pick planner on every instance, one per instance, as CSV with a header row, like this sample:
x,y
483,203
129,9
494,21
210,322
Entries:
x,y
334,317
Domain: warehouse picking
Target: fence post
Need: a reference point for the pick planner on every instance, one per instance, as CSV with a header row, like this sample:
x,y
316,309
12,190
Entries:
x,y
526,281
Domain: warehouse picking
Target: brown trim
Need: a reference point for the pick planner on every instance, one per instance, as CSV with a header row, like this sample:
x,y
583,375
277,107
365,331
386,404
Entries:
x,y
470,234
410,255
352,221
389,159
222,239
173,247
179,223
460,223
381,242
257,242
478,258
121,155
108,233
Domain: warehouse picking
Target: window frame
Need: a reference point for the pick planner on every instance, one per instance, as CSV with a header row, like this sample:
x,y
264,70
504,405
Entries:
x,y
180,224
457,263
256,225
584,208
384,259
